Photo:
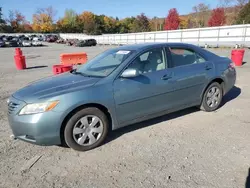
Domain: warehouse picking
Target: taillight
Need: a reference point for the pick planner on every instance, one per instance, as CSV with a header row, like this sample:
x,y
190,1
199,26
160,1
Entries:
x,y
231,65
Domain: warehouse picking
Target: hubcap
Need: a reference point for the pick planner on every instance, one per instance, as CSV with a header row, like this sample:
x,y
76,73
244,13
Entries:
x,y
213,97
88,130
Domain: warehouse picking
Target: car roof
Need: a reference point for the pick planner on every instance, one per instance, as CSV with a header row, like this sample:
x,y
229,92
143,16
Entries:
x,y
155,44
144,46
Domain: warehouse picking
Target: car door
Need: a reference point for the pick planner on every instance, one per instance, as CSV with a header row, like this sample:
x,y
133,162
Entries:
x,y
148,93
190,71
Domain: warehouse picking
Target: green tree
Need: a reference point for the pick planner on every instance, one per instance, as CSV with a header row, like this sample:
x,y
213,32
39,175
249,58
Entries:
x,y
109,24
99,24
68,23
3,25
244,15
126,25
141,24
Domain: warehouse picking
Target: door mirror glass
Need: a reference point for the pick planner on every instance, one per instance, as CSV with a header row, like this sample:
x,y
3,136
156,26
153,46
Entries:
x,y
130,73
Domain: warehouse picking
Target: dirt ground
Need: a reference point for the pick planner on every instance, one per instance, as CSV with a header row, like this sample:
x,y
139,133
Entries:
x,y
184,149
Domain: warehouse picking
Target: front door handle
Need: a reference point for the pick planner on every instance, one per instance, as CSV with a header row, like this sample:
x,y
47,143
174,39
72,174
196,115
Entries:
x,y
166,77
208,68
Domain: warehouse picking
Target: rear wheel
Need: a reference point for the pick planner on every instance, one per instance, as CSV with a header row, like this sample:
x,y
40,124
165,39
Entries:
x,y
212,97
86,129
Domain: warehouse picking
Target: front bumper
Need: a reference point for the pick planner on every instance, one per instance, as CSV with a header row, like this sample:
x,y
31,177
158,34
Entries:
x,y
40,129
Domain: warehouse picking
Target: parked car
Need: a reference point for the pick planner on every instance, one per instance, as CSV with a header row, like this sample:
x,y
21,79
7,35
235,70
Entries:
x,y
2,43
71,42
92,42
87,42
119,87
52,38
26,42
6,41
40,38
1,37
9,38
36,42
60,41
13,43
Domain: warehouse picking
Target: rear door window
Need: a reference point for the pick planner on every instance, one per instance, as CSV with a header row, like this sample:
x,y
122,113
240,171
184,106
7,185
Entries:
x,y
184,56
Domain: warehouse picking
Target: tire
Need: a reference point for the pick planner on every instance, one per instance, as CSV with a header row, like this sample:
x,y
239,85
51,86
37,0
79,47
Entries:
x,y
214,100
81,129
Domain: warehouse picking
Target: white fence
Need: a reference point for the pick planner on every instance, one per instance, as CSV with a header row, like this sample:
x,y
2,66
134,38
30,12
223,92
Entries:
x,y
212,36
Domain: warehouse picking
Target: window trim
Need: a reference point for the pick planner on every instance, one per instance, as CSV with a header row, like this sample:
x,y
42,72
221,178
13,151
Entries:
x,y
185,48
167,62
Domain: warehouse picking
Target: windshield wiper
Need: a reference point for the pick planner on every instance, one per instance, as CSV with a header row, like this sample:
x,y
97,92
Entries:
x,y
81,73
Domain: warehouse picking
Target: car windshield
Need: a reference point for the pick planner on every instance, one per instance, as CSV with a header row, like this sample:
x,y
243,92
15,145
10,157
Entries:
x,y
104,64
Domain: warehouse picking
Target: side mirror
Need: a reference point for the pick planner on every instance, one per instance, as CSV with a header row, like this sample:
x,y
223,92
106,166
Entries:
x,y
130,73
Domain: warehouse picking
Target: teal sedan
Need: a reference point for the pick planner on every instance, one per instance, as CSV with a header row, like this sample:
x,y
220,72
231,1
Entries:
x,y
119,87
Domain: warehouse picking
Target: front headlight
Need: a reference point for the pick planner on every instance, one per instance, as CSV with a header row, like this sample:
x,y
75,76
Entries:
x,y
38,108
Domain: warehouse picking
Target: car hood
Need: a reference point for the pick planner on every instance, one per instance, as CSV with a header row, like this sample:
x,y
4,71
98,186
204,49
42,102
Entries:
x,y
54,86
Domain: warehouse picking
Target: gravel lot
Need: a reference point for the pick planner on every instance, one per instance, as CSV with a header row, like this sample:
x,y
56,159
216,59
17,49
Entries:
x,y
184,149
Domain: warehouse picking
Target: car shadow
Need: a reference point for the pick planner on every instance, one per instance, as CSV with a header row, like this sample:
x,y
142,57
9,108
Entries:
x,y
231,95
37,67
248,179
117,133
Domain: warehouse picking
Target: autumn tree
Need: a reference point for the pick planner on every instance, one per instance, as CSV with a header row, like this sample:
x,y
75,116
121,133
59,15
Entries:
x,y
232,9
17,21
244,15
217,18
88,20
184,22
201,14
172,21
43,20
156,24
27,28
141,24
109,24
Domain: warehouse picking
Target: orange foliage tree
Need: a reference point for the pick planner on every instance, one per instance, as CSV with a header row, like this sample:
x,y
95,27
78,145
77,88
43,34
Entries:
x,y
18,22
43,20
88,20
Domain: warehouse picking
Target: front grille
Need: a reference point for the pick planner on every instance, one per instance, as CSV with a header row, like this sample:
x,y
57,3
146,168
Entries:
x,y
12,106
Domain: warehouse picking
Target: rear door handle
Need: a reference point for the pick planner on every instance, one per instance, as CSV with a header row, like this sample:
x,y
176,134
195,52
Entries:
x,y
166,77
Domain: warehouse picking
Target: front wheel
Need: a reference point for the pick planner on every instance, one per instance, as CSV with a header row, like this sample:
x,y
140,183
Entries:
x,y
86,129
212,98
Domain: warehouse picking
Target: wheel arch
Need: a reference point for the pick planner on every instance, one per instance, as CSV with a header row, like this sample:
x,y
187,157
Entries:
x,y
218,80
101,107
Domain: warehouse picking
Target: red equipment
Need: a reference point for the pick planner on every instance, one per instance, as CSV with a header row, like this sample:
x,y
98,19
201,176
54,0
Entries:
x,y
237,56
19,59
58,69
